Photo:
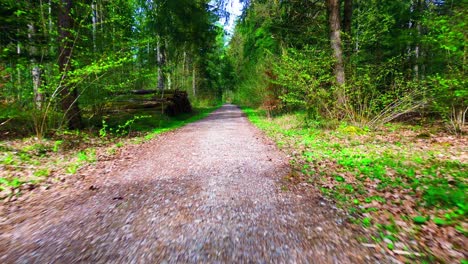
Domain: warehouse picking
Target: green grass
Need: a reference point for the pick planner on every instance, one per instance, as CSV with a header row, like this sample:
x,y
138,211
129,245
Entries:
x,y
150,124
180,121
380,174
442,183
29,161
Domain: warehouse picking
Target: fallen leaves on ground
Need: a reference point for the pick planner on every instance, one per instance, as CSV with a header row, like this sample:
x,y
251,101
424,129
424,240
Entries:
x,y
408,190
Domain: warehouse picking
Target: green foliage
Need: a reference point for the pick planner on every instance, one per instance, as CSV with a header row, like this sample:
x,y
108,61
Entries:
x,y
420,219
72,168
366,221
444,195
111,57
88,155
305,76
396,188
400,57
121,129
42,173
57,145
13,183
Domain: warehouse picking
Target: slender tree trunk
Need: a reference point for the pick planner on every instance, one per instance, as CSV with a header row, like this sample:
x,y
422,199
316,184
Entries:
x,y
357,31
347,23
161,62
417,47
37,81
18,70
50,27
184,74
348,16
416,62
336,45
69,95
194,82
94,21
35,70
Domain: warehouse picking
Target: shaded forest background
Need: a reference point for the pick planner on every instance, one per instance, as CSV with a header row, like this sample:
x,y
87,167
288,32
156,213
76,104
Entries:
x,y
63,63
364,62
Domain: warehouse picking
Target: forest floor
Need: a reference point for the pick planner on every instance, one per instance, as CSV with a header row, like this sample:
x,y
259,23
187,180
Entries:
x,y
212,191
404,183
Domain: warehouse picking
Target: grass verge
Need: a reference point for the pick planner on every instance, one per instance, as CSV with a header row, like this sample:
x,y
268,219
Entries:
x,y
28,163
405,184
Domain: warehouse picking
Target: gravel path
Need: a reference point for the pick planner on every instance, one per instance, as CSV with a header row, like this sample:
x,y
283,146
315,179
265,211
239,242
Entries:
x,y
209,192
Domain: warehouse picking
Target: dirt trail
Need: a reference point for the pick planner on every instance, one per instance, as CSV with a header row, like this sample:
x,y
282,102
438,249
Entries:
x,y
208,192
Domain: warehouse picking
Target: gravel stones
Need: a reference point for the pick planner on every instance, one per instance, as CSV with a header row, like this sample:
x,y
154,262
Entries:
x,y
206,193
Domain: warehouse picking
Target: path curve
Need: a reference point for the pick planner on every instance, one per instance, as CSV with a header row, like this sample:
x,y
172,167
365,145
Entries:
x,y
208,192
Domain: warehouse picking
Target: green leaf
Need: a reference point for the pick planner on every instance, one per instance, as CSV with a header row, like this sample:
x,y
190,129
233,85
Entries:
x,y
420,219
19,12
439,221
366,222
390,246
339,179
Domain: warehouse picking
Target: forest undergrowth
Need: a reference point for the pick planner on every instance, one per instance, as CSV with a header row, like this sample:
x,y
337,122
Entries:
x,y
27,163
405,184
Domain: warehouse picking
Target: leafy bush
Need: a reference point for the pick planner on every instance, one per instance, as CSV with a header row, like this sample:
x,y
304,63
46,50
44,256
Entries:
x,y
450,98
372,105
306,76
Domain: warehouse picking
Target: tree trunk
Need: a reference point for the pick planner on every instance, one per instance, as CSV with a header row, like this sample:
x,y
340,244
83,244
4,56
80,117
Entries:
x,y
37,81
348,16
194,82
417,48
50,28
161,62
94,19
347,23
36,70
184,74
336,45
69,95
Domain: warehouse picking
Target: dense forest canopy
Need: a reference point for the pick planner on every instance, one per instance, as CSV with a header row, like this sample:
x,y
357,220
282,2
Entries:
x,y
62,61
367,62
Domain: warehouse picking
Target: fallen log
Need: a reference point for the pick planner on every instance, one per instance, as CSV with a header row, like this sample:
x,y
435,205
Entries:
x,y
172,102
145,92
178,104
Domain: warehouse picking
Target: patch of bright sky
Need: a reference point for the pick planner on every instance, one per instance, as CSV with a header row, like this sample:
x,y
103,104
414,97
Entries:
x,y
234,7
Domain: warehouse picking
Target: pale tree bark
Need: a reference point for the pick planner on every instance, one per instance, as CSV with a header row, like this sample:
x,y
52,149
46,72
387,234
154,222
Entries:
x,y
36,71
161,61
414,52
94,19
37,82
336,45
417,48
18,70
68,94
50,27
